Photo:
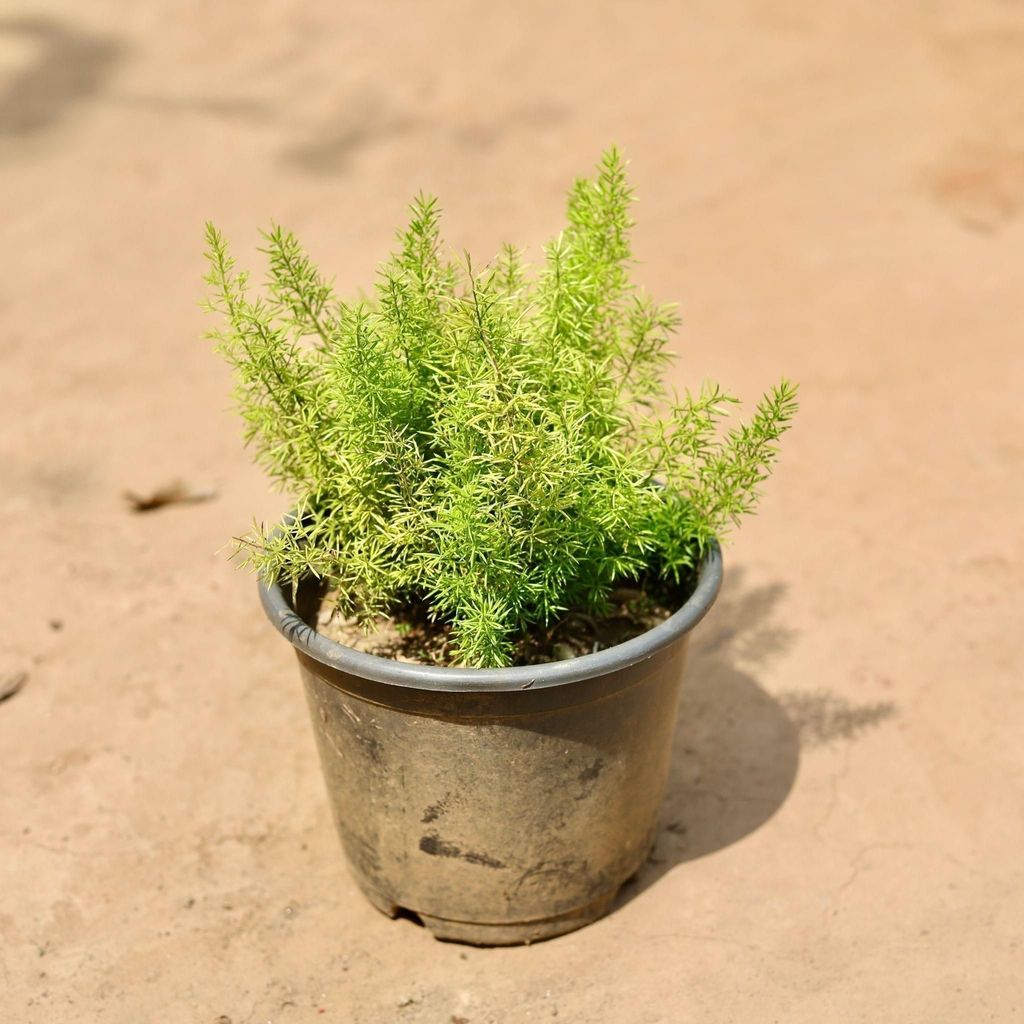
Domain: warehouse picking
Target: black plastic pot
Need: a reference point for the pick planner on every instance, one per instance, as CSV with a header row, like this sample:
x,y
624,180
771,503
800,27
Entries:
x,y
500,806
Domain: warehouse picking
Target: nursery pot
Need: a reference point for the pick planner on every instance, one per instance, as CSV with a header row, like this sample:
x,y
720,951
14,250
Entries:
x,y
499,806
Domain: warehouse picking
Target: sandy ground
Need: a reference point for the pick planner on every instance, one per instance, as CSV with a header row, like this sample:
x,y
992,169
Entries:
x,y
832,191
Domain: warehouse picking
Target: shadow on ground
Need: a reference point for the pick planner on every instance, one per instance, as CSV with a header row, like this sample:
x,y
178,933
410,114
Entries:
x,y
67,68
366,120
737,748
369,117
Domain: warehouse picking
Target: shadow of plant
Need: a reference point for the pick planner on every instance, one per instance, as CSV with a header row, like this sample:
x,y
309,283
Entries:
x,y
737,748
821,717
67,68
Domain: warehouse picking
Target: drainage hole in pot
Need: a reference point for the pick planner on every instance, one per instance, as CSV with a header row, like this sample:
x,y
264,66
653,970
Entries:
x,y
405,914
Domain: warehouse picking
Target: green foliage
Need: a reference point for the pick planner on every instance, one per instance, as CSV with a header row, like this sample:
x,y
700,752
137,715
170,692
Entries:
x,y
499,446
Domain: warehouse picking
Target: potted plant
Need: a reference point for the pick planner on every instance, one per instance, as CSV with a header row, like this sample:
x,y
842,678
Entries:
x,y
503,531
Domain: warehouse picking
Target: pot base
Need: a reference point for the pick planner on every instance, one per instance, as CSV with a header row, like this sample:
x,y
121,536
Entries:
x,y
517,933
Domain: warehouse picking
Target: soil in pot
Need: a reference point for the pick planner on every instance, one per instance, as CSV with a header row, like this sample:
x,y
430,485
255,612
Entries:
x,y
412,636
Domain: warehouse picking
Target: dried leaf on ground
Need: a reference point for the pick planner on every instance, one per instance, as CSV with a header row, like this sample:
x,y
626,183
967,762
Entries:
x,y
11,684
175,493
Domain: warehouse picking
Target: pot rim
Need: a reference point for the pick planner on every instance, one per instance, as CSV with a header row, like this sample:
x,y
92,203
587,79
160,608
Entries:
x,y
495,680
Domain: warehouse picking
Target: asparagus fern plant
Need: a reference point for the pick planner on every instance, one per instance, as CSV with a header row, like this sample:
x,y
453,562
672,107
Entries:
x,y
496,444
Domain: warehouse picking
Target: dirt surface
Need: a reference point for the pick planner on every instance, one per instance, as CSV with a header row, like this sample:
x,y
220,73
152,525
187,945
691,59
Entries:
x,y
833,191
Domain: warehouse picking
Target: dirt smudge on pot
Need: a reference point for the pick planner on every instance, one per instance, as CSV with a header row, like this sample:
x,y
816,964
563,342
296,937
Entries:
x,y
433,844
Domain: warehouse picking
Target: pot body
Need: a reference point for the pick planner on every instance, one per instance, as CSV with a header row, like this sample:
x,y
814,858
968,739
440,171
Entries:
x,y
499,806
501,817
